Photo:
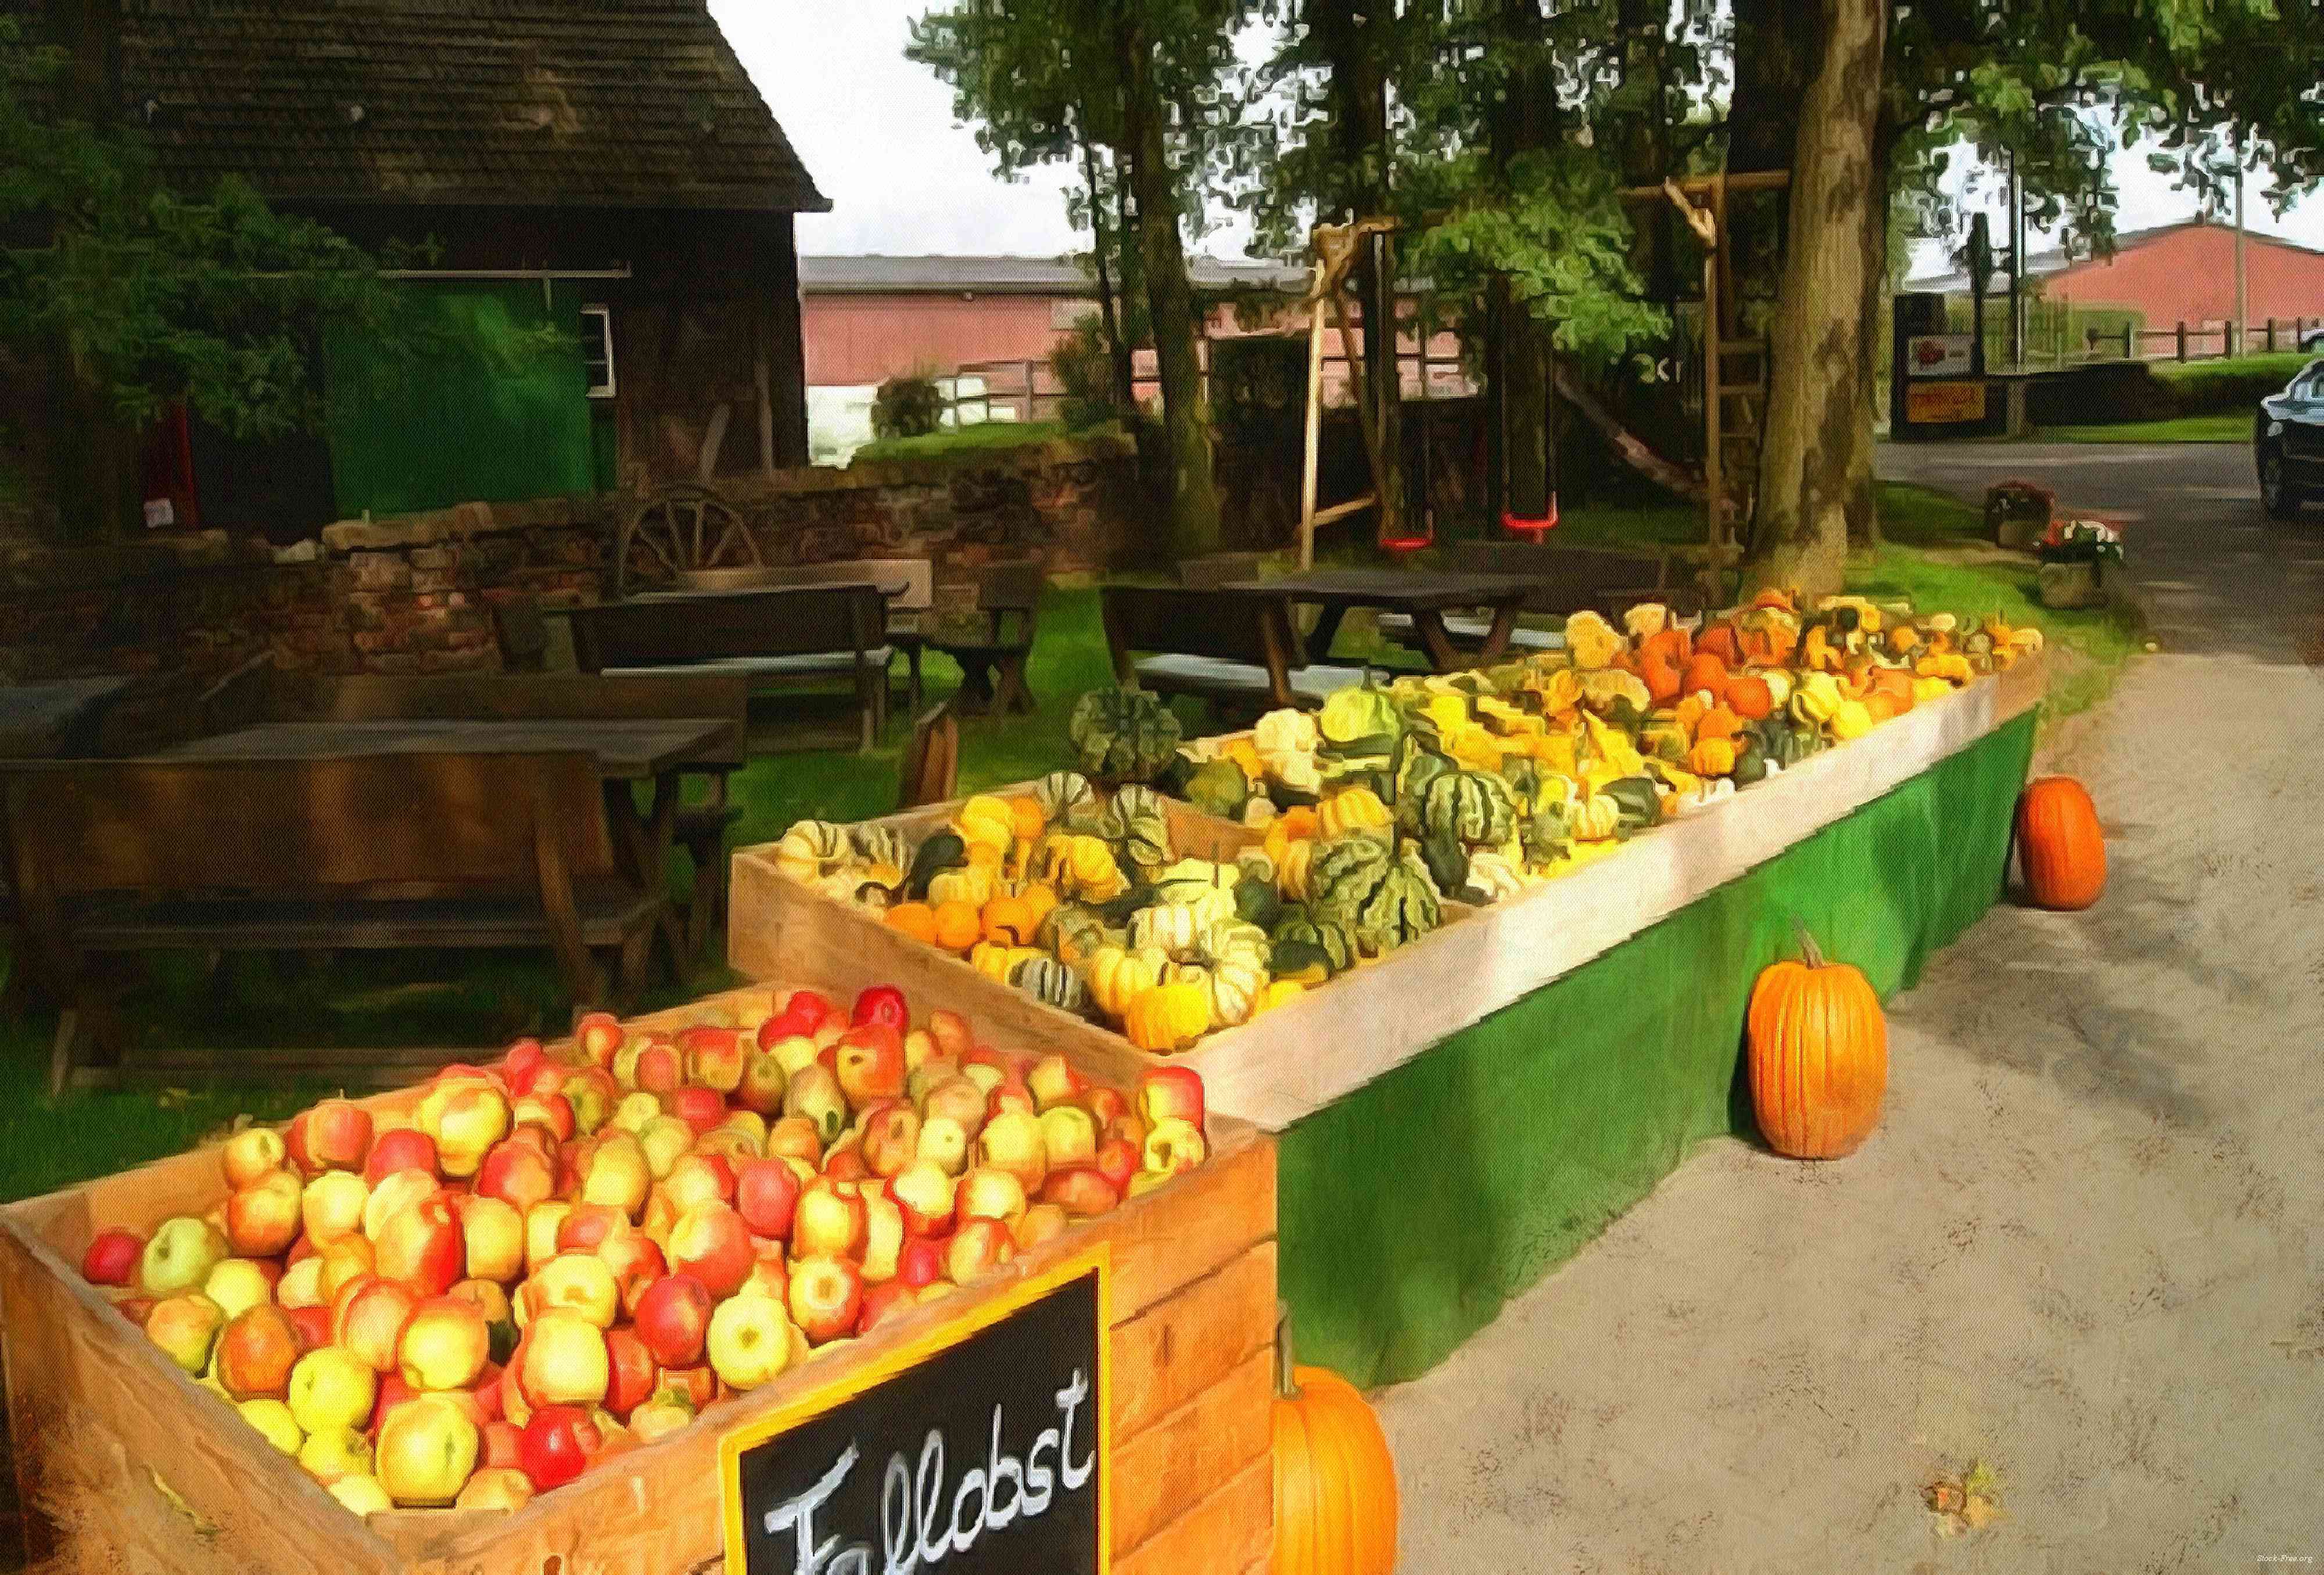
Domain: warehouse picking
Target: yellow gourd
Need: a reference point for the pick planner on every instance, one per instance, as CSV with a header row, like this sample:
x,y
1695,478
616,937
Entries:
x,y
1930,688
1279,993
973,884
1591,640
1082,867
1116,976
1168,1017
1291,870
997,961
1851,719
985,821
1352,809
1712,756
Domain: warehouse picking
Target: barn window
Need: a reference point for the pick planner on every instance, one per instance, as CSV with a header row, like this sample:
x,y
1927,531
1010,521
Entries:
x,y
597,349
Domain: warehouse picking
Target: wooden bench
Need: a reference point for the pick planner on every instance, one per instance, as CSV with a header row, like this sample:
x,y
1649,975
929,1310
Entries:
x,y
1233,648
700,827
774,639
992,669
378,852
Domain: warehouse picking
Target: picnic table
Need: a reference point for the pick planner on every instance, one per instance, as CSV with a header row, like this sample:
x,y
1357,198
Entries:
x,y
626,750
1422,596
40,721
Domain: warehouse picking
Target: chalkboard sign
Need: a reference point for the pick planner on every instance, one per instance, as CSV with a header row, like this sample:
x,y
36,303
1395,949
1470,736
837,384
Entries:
x,y
979,1447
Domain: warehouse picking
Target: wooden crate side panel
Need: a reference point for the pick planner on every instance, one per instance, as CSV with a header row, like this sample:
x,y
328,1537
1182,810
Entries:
x,y
1232,1528
1165,1473
1228,1209
96,1414
1193,833
1179,1347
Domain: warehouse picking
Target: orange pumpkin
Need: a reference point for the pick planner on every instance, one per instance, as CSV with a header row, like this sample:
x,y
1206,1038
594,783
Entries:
x,y
1335,1502
1882,707
1025,812
1749,697
1707,672
1896,682
1689,713
1723,641
958,925
2060,845
1010,922
1818,1053
1718,723
1661,673
917,920
1673,641
1299,820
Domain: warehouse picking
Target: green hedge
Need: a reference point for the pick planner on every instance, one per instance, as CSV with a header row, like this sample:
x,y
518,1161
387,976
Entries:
x,y
2216,387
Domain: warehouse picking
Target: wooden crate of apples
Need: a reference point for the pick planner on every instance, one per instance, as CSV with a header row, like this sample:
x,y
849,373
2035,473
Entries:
x,y
463,1296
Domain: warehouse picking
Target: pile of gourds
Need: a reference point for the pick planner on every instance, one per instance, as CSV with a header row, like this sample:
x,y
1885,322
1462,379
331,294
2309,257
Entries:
x,y
1491,781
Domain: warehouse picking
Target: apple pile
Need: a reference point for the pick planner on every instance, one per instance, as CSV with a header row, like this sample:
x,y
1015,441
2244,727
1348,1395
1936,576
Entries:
x,y
537,1265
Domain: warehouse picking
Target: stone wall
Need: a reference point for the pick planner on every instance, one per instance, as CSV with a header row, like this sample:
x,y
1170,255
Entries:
x,y
414,594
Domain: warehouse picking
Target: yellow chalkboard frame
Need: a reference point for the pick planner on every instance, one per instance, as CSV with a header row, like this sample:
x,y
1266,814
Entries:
x,y
1097,1260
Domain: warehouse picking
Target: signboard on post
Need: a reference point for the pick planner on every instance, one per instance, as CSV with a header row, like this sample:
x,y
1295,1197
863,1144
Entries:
x,y
981,1447
1938,354
1944,404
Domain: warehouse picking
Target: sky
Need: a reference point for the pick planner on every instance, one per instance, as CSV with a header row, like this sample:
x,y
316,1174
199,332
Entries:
x,y
876,132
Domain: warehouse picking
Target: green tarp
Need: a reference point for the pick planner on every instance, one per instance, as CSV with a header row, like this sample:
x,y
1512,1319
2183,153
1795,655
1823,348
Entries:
x,y
1412,1208
494,410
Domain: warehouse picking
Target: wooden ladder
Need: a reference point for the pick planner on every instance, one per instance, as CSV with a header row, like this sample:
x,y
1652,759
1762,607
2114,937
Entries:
x,y
1742,391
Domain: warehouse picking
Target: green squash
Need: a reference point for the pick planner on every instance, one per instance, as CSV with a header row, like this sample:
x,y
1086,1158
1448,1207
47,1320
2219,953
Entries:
x,y
1257,901
1447,858
1067,800
942,851
1384,898
1417,762
1750,761
1309,948
1138,825
1219,788
1786,743
1366,713
1547,834
1640,804
1475,807
1123,735
1522,773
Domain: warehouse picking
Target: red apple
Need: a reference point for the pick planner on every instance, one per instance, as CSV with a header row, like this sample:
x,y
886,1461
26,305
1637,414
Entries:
x,y
762,1084
632,1372
673,1319
113,1256
958,1100
871,1063
422,1247
1080,1190
598,1035
517,1174
660,1069
829,1221
796,1137
337,1136
714,1056
926,1195
503,1444
1054,1082
250,1154
814,1093
712,1242
880,1302
891,1139
811,1008
519,1061
1167,1093
882,1003
313,1324
562,1360
1009,1099
1105,1105
636,1261
826,1296
702,1109
1118,1162
368,1318
950,1030
557,1446
845,1163
590,1226
766,1195
255,1353
977,1247
1042,1222
407,1148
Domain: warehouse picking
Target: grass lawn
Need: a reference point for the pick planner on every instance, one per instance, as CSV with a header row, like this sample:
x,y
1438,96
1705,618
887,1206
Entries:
x,y
2225,427
1934,555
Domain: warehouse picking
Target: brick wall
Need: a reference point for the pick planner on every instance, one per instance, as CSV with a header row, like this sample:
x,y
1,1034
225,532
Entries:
x,y
414,594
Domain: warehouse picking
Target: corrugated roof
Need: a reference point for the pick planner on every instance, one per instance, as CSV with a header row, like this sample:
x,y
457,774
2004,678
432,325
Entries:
x,y
880,275
2056,260
620,103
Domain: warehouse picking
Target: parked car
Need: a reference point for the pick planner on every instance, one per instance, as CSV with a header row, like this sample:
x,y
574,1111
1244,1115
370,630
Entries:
x,y
2287,443
2313,344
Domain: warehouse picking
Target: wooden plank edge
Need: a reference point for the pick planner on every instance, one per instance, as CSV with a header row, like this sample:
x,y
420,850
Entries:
x,y
1196,1449
1232,1527
1183,1364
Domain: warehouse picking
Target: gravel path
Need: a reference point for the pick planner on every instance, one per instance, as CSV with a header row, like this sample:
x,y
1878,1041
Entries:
x,y
2086,1246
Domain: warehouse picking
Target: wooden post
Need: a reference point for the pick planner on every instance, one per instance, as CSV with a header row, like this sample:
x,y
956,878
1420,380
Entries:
x,y
1309,474
2182,339
2271,336
1714,463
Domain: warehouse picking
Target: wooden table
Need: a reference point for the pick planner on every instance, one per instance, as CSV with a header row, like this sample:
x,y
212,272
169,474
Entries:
x,y
43,721
1422,597
627,750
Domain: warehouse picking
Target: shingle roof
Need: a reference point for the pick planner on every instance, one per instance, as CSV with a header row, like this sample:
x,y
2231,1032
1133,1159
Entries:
x,y
880,275
620,103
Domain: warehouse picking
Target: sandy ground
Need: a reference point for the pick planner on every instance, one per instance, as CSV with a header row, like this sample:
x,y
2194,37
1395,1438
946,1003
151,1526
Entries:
x,y
2085,1246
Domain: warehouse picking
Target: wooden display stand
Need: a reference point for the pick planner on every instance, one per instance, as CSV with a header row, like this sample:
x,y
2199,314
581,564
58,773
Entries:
x,y
1328,1042
124,1464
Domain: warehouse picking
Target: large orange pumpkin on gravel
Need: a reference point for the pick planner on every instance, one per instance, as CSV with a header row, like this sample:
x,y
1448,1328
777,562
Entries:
x,y
1335,1504
2060,844
1818,1053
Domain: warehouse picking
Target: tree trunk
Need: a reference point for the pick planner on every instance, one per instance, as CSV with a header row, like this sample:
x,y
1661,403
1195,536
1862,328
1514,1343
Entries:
x,y
1117,348
1818,365
1194,527
1863,504
1354,43
93,459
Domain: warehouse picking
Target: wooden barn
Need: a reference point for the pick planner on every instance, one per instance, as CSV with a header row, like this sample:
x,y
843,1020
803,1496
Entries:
x,y
603,168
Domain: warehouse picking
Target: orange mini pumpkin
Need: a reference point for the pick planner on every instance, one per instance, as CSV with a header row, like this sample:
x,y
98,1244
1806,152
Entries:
x,y
917,920
958,925
1707,672
1749,697
1660,671
1025,812
1673,641
1723,641
2061,846
1010,922
1718,723
1818,1053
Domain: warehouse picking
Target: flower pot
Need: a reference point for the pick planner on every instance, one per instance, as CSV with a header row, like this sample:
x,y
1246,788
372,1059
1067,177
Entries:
x,y
2071,585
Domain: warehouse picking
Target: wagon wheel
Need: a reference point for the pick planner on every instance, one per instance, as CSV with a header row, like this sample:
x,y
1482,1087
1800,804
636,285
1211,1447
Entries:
x,y
679,531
